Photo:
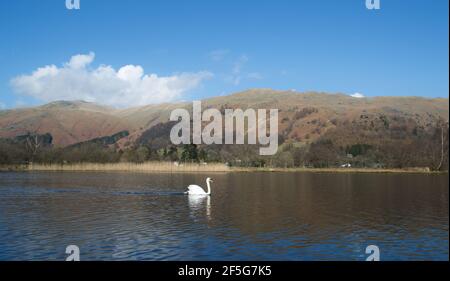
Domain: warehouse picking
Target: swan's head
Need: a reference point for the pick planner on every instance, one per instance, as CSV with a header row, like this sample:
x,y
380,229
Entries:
x,y
209,180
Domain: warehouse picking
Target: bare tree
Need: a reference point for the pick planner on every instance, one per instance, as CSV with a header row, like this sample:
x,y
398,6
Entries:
x,y
442,125
33,143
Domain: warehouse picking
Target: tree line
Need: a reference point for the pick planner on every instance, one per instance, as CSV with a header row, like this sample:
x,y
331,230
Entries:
x,y
392,148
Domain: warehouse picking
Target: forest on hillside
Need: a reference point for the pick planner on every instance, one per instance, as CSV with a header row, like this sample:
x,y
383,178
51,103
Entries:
x,y
390,143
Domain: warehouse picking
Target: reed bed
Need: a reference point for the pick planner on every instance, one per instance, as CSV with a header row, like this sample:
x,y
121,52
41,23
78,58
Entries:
x,y
342,170
147,167
171,167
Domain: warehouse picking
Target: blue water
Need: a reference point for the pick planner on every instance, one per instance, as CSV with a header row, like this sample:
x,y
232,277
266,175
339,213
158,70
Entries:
x,y
249,216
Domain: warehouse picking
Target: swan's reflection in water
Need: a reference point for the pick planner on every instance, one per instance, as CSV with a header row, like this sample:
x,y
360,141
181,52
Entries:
x,y
200,205
266,216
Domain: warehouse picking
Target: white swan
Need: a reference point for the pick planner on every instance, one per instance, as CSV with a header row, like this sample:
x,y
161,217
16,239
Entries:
x,y
197,190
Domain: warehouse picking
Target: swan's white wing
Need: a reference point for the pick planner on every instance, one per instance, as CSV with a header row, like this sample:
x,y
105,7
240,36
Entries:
x,y
195,189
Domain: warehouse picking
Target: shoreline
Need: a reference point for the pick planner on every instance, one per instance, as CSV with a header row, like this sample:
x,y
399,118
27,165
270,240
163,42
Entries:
x,y
169,167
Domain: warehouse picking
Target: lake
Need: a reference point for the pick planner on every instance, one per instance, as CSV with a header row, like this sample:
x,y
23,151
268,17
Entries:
x,y
249,216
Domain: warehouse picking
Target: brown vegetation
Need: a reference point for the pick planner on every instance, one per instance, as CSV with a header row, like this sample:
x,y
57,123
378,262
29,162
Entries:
x,y
316,130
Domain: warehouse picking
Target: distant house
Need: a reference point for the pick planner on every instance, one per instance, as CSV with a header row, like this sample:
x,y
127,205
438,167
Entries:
x,y
346,165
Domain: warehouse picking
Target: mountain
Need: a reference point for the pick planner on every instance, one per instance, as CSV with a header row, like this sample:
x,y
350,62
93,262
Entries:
x,y
67,122
303,117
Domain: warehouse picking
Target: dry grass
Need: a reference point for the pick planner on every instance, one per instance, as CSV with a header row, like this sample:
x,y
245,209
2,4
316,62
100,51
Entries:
x,y
156,167
146,167
340,170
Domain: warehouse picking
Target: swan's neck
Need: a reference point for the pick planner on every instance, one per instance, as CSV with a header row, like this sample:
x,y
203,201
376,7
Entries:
x,y
209,187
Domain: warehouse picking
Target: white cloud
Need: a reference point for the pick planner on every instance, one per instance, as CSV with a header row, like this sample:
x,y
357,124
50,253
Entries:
x,y
80,61
128,86
2,105
358,95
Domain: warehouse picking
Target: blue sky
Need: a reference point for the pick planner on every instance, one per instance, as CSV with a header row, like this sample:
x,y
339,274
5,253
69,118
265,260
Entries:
x,y
183,50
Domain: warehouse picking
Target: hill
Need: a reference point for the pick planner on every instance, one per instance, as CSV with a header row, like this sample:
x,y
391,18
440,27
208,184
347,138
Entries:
x,y
318,129
67,122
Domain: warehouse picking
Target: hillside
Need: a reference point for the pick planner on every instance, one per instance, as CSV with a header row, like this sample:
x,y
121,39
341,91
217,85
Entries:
x,y
67,122
303,117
